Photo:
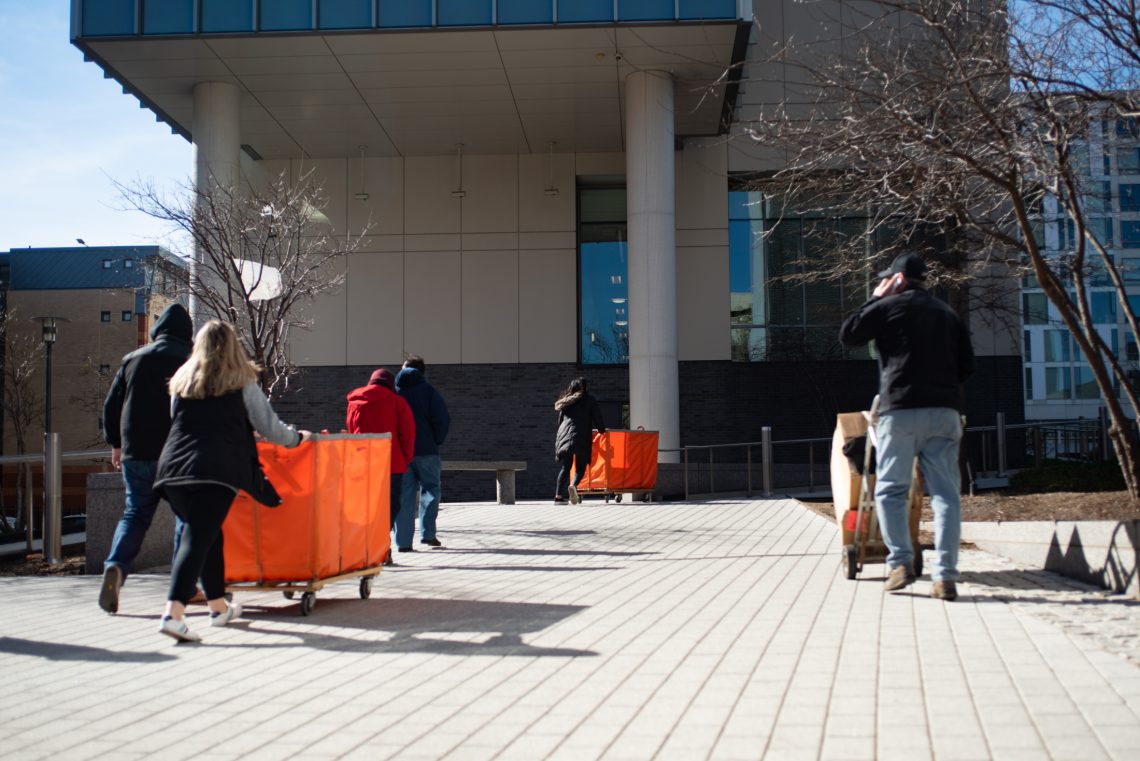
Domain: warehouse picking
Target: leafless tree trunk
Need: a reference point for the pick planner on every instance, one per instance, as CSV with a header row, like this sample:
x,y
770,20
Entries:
x,y
23,400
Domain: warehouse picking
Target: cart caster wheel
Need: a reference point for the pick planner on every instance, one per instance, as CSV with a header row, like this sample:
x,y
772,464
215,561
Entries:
x,y
287,594
308,600
851,561
617,498
365,587
917,563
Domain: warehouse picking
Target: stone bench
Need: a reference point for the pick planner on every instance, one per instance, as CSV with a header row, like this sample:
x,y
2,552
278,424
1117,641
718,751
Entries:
x,y
504,474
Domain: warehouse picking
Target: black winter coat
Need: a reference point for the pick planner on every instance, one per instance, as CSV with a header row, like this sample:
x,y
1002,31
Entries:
x,y
578,415
136,413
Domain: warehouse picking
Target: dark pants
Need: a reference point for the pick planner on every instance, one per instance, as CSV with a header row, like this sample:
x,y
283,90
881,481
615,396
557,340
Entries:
x,y
138,513
580,456
203,509
394,499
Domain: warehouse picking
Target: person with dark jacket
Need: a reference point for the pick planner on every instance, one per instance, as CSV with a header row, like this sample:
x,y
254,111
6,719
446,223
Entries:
x,y
422,477
377,408
925,355
578,415
136,419
209,455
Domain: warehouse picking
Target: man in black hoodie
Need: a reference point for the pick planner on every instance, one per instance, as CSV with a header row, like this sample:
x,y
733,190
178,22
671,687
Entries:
x,y
136,420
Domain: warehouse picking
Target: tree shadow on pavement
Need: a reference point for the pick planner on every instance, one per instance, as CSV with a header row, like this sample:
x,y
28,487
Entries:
x,y
55,651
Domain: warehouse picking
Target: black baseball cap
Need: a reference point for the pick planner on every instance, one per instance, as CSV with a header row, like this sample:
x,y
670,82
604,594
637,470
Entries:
x,y
910,266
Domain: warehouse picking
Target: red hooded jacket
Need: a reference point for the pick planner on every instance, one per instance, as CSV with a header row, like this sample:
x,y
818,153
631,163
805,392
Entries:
x,y
376,409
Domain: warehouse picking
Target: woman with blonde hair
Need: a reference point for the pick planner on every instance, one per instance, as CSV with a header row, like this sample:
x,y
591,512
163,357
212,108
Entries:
x,y
216,405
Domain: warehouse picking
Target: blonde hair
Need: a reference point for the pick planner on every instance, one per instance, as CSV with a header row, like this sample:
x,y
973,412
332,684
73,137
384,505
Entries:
x,y
217,365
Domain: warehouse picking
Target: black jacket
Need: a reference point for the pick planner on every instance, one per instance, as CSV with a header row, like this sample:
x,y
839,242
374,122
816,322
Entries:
x,y
136,413
924,349
428,408
578,415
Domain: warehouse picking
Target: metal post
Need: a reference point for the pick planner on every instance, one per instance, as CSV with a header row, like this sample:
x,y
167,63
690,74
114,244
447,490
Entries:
x,y
47,389
811,467
53,498
1001,444
1038,442
712,476
1102,413
766,458
748,459
685,450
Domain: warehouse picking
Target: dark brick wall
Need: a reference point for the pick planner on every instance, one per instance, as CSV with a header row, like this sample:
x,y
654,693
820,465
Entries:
x,y
505,412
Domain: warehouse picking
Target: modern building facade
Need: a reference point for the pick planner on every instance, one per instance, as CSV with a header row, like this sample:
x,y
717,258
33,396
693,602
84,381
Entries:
x,y
550,189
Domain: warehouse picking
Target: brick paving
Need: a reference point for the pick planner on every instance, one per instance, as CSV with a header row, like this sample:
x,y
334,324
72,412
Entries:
x,y
719,630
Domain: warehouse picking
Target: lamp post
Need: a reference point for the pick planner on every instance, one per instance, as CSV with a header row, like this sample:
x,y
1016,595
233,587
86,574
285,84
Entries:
x,y
53,462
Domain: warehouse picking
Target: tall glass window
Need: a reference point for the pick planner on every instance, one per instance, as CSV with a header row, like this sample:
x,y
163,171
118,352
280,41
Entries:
x,y
586,10
603,270
345,14
403,13
1129,197
227,15
168,16
464,12
526,12
286,15
645,10
108,17
706,9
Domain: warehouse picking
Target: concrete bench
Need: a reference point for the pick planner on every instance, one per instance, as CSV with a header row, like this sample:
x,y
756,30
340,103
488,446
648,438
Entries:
x,y
504,474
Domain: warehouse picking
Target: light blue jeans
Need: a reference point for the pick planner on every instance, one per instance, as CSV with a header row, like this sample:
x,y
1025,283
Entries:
x,y
422,477
933,435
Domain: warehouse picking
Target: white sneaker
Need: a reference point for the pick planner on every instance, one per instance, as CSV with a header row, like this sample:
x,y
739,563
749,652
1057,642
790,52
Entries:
x,y
178,630
232,611
574,498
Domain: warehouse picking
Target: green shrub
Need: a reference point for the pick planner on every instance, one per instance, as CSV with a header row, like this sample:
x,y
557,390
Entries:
x,y
1069,475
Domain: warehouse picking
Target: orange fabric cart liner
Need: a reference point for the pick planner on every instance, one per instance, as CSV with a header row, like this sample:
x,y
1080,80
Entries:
x,y
333,518
622,461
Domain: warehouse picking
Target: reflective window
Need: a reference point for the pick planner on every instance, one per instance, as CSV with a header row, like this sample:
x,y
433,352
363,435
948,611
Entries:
x,y
1103,306
1128,160
1085,386
108,17
1057,383
1130,234
1028,383
397,13
603,267
345,14
1129,197
1027,347
227,15
168,16
1034,309
586,10
286,15
645,10
464,12
526,12
697,9
1056,345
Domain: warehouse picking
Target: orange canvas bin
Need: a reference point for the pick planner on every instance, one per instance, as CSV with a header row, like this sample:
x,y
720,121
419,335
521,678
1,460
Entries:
x,y
622,461
332,523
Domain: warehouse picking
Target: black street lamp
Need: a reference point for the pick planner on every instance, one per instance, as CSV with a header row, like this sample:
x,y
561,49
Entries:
x,y
49,335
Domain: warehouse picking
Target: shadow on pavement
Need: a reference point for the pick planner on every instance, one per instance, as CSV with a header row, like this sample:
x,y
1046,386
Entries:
x,y
525,551
558,568
54,651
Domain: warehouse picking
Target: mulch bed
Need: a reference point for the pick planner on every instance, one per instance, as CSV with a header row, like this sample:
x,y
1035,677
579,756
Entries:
x,y
73,564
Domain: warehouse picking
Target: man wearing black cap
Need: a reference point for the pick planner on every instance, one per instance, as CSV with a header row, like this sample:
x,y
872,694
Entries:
x,y
924,355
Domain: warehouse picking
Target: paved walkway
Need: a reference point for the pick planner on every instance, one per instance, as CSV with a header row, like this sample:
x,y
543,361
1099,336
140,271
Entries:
x,y
720,630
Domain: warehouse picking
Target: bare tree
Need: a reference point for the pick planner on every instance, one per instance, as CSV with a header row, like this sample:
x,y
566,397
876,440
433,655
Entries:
x,y
957,127
23,404
263,253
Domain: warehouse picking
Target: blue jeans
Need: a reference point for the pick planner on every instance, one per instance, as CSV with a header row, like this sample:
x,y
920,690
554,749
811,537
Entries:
x,y
422,477
141,503
933,435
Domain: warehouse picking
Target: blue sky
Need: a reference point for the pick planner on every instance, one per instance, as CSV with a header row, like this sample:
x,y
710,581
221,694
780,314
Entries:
x,y
66,133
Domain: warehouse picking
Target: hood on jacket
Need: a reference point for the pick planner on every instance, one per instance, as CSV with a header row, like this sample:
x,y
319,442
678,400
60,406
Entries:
x,y
569,399
174,322
369,393
383,377
409,377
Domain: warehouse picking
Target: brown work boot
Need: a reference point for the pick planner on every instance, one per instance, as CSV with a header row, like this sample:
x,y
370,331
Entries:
x,y
944,590
899,577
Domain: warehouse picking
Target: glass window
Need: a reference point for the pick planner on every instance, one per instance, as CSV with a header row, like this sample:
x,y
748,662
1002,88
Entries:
x,y
227,15
1130,234
1057,383
1132,353
1128,127
1027,347
1101,229
1085,387
697,9
285,15
1029,383
1056,345
108,264
108,17
645,10
526,12
1034,309
397,13
1128,160
1129,197
746,280
464,12
1103,306
345,14
105,316
1134,304
128,263
168,16
603,267
585,10
1099,197
126,316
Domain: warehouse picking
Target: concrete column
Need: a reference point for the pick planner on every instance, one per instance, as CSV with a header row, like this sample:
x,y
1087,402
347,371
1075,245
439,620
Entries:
x,y
651,219
216,131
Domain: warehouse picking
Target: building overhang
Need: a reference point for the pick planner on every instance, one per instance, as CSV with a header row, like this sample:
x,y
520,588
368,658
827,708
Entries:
x,y
403,93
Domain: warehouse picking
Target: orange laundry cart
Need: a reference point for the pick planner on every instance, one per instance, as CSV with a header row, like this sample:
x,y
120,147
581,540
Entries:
x,y
332,523
622,461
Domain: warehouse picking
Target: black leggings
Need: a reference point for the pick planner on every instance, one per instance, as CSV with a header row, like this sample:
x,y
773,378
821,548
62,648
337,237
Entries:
x,y
202,508
581,459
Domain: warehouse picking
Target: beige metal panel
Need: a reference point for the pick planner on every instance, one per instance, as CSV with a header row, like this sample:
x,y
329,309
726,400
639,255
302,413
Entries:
x,y
703,238
428,205
492,187
325,342
548,305
136,50
309,98
451,93
548,240
383,181
433,242
489,241
177,85
702,304
381,244
411,42
198,68
544,75
557,108
375,286
539,211
591,38
268,46
558,57
330,175
432,299
290,64
421,61
272,82
442,144
747,155
702,185
600,163
490,306
330,112
367,80
572,90
442,109
709,34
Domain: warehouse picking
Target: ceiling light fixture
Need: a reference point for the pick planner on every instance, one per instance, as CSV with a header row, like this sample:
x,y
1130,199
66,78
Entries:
x,y
459,192
363,194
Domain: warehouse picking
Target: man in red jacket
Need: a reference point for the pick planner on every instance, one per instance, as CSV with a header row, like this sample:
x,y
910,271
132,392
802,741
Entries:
x,y
377,408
